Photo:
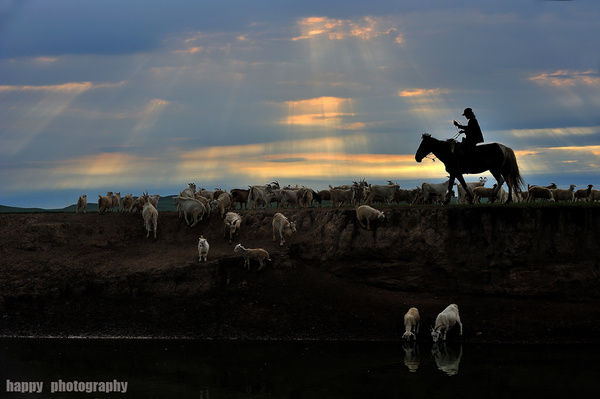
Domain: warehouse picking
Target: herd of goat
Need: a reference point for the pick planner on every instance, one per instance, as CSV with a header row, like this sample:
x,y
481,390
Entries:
x,y
193,205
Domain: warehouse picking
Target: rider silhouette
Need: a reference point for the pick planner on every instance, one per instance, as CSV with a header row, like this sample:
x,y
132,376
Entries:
x,y
472,132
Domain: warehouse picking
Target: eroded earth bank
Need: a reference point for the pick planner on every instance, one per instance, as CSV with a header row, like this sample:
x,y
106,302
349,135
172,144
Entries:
x,y
518,274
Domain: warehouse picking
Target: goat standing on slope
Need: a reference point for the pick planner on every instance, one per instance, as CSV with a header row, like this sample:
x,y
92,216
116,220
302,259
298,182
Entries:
x,y
81,203
203,248
252,253
150,215
282,227
367,215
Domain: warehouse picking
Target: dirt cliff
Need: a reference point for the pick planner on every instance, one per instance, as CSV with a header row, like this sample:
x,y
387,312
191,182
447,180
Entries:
x,y
518,274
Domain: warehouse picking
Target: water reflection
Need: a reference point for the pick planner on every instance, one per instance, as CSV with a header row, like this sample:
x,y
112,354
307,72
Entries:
x,y
411,356
191,369
447,357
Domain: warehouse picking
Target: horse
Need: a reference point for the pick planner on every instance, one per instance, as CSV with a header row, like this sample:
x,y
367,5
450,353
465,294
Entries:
x,y
499,159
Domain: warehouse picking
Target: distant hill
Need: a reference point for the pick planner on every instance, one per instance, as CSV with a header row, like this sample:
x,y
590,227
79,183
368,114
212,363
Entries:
x,y
165,204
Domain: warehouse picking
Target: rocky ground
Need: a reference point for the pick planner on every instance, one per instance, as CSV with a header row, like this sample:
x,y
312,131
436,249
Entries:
x,y
518,274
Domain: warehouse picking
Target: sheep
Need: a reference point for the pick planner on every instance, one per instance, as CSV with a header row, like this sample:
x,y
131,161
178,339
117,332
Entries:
x,y
217,193
340,196
407,196
305,197
437,191
205,201
365,213
233,221
584,194
191,206
203,248
535,192
81,203
323,195
210,195
189,192
444,321
283,227
150,215
105,202
412,322
385,193
138,204
116,201
223,203
564,195
154,200
239,196
256,253
485,192
502,196
287,196
594,195
127,203
462,194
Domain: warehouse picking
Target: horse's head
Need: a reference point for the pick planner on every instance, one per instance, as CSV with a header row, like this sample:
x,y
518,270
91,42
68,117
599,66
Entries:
x,y
424,148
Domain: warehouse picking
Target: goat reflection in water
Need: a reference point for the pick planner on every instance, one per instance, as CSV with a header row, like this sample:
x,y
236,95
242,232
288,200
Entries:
x,y
411,356
446,356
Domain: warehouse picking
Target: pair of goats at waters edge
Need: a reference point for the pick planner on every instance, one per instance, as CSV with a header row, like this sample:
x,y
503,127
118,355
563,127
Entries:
x,y
443,322
497,158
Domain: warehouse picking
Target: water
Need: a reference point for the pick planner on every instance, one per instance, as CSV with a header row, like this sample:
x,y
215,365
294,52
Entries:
x,y
203,370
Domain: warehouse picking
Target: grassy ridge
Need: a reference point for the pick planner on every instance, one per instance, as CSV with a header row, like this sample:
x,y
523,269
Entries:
x,y
165,204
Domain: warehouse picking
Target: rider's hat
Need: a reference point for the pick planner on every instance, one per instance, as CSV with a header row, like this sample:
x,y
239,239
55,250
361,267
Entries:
x,y
467,111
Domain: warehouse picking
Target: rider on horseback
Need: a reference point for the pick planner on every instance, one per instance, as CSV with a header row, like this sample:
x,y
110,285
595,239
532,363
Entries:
x,y
472,133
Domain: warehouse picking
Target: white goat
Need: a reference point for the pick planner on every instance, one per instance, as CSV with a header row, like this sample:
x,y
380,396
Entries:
x,y
192,207
233,221
412,322
368,215
150,215
462,194
282,227
444,321
434,191
81,203
203,248
189,192
252,253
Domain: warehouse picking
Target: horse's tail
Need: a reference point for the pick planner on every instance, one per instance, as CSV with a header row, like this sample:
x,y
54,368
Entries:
x,y
510,171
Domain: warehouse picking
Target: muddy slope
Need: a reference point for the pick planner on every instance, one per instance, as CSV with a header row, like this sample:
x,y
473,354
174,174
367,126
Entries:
x,y
517,273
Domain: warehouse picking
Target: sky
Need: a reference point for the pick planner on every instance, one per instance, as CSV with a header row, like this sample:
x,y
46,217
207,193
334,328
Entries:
x,y
148,95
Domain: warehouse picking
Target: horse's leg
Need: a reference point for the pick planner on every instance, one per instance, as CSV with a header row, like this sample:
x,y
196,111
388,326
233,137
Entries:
x,y
468,192
498,176
449,193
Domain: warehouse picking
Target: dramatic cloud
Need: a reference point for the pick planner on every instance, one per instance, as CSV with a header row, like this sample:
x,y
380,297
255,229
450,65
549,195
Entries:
x,y
565,78
321,111
367,28
238,93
